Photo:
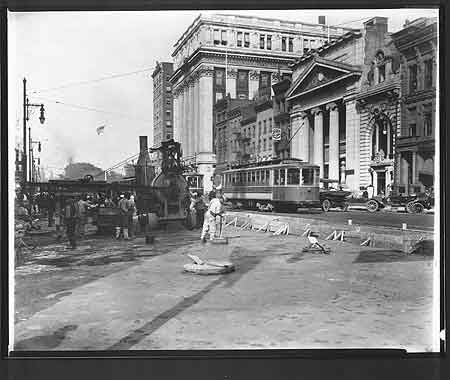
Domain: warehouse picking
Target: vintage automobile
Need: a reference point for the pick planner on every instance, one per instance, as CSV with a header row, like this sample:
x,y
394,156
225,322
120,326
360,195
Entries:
x,y
414,203
330,198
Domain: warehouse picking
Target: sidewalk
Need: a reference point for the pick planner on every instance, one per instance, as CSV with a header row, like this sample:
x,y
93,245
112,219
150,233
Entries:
x,y
278,297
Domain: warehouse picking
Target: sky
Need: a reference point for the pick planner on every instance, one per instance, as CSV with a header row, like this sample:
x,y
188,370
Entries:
x,y
54,49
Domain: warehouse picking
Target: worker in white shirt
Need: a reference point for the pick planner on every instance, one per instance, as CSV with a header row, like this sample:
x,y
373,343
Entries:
x,y
214,211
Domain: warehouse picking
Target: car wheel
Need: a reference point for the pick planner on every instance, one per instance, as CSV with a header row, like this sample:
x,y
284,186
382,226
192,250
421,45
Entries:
x,y
418,208
326,205
345,207
372,205
410,207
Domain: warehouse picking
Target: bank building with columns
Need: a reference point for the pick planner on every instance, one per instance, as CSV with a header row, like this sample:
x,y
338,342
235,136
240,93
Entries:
x,y
239,56
345,112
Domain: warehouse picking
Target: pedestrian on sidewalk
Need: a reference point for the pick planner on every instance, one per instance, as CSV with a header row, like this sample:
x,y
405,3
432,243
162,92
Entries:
x,y
214,212
70,220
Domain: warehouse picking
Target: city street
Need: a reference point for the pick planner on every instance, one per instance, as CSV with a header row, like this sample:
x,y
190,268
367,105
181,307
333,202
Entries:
x,y
423,222
127,295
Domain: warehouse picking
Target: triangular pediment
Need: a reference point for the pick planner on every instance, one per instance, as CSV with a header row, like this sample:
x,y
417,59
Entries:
x,y
319,73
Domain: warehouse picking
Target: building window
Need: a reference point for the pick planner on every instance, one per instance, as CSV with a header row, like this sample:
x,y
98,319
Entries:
x,y
246,40
428,74
242,84
412,78
264,80
168,89
216,37
283,43
239,39
169,124
269,42
306,46
265,127
259,128
262,41
291,44
168,102
168,136
412,130
427,124
253,133
224,37
381,73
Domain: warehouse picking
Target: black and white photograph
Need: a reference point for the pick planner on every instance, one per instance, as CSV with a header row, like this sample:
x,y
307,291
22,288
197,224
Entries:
x,y
224,180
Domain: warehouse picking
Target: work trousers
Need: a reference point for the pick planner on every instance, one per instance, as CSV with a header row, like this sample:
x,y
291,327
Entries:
x,y
71,226
209,226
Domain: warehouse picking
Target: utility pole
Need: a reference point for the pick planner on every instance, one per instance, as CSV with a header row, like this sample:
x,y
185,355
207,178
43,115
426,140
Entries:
x,y
26,104
24,156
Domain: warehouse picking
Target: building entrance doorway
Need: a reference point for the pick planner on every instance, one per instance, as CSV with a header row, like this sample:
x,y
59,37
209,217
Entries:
x,y
381,182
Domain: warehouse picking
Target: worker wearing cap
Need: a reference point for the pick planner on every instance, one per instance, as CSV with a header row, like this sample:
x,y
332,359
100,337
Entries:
x,y
214,211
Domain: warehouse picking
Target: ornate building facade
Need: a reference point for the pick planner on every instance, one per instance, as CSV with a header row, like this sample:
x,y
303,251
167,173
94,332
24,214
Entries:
x,y
236,55
415,155
345,108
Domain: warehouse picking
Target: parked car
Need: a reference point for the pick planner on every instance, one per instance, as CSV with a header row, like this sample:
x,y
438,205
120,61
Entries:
x,y
330,197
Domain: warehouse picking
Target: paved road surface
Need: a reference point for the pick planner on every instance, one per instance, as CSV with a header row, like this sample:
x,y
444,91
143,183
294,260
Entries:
x,y
132,296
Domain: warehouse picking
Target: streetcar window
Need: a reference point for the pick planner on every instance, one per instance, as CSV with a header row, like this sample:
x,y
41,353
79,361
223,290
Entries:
x,y
316,176
262,177
267,177
276,179
282,177
307,176
253,178
293,176
258,176
240,178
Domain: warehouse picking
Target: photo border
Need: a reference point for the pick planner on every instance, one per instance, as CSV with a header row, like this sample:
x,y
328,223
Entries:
x,y
260,364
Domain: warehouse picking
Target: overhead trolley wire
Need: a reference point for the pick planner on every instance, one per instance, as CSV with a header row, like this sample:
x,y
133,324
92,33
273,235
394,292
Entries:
x,y
94,109
81,83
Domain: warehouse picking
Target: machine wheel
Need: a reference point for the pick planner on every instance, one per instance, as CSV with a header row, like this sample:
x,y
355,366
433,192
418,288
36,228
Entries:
x,y
326,205
417,208
372,205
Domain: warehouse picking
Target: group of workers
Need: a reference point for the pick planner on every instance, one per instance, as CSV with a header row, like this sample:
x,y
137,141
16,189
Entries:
x,y
207,213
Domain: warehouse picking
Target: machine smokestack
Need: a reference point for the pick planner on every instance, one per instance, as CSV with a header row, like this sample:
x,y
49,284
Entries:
x,y
144,172
143,144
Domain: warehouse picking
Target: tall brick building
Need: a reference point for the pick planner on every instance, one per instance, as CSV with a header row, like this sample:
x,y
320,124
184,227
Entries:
x,y
345,110
162,103
417,43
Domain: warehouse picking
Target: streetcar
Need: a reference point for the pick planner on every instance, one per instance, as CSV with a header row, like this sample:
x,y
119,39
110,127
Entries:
x,y
280,185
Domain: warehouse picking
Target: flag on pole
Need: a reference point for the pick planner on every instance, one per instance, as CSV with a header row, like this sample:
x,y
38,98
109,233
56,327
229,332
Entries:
x,y
101,129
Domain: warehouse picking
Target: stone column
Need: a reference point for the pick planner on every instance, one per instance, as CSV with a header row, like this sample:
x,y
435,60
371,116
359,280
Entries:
x,y
206,158
333,161
296,122
377,139
188,112
253,84
303,137
182,121
197,110
231,82
352,143
318,138
176,110
414,167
